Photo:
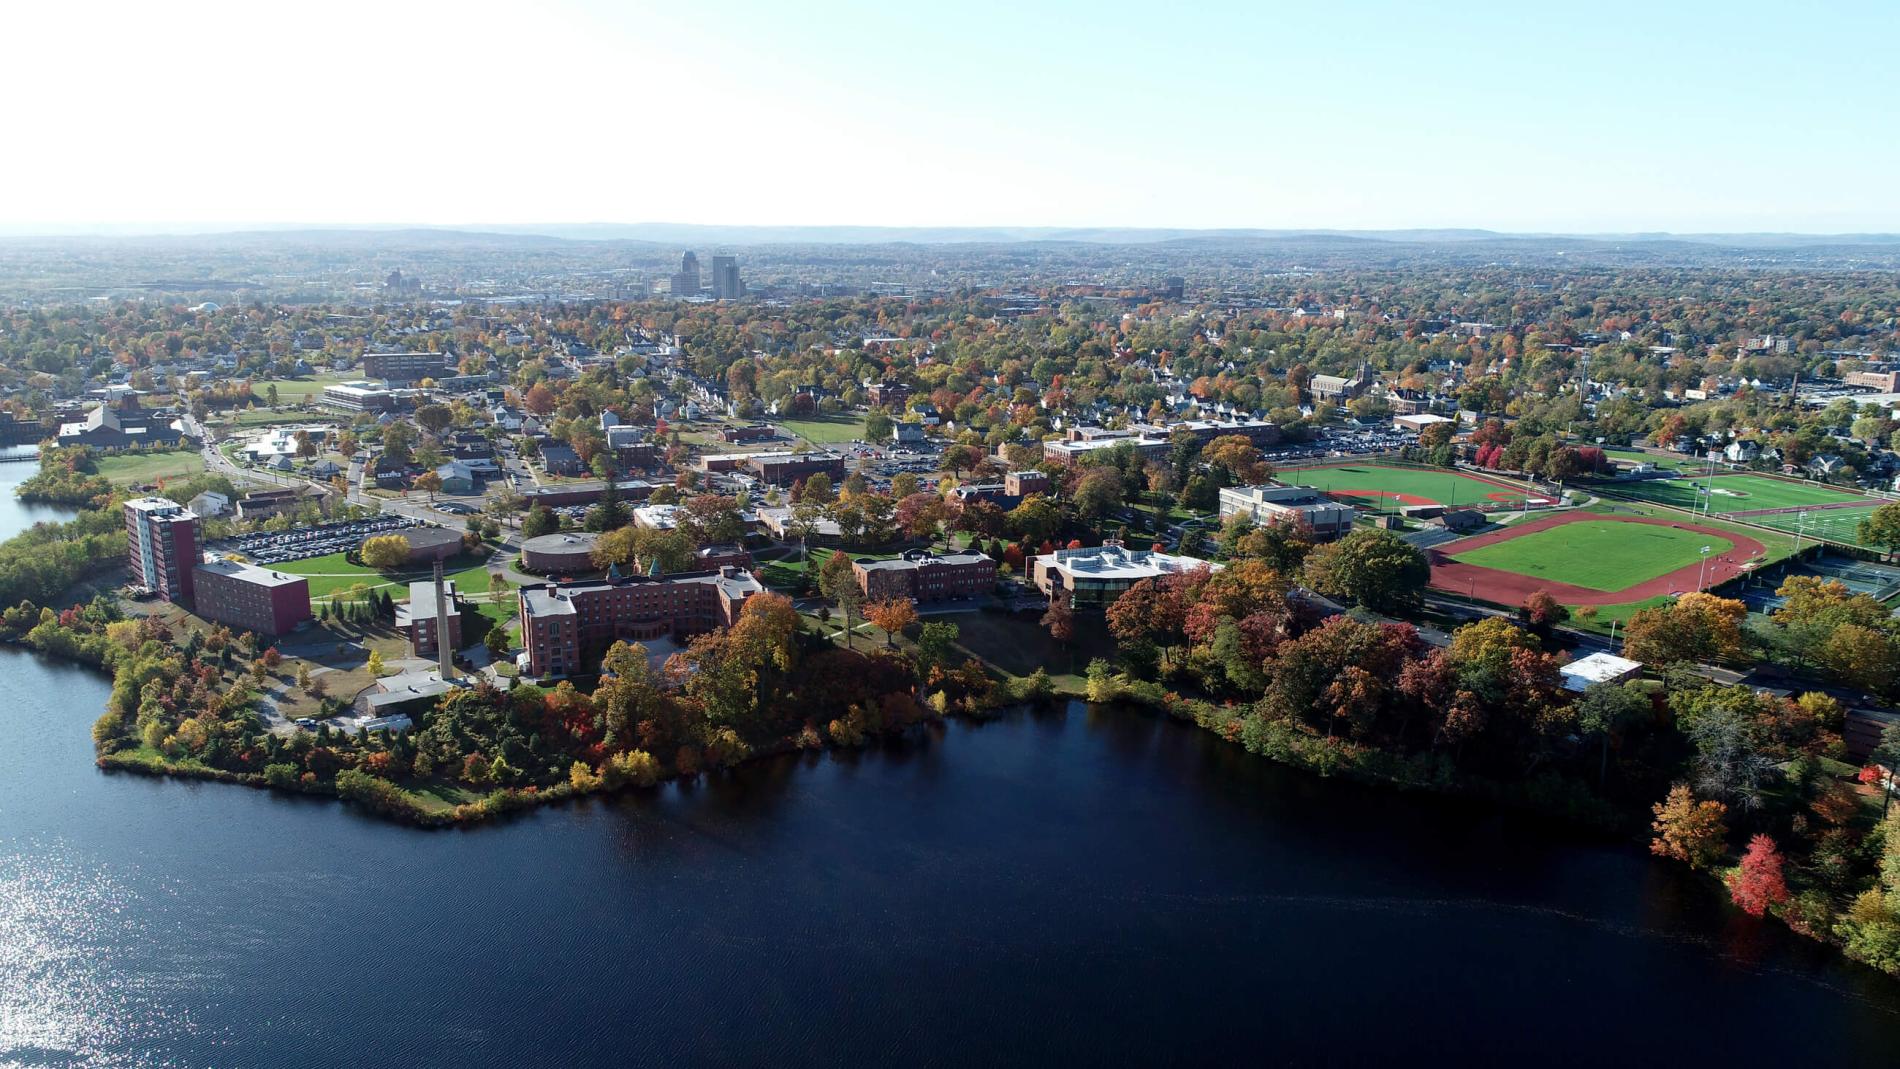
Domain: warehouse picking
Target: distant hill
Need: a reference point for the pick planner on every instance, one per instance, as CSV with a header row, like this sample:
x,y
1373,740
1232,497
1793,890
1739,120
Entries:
x,y
693,235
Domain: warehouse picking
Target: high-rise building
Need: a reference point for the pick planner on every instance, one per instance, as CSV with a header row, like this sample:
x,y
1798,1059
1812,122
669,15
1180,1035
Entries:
x,y
161,539
686,282
725,278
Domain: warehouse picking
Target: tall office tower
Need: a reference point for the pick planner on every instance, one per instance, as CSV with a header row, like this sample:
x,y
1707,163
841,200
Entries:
x,y
686,282
1173,287
162,546
725,278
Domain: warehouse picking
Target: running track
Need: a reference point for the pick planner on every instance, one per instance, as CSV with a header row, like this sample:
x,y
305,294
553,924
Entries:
x,y
1509,588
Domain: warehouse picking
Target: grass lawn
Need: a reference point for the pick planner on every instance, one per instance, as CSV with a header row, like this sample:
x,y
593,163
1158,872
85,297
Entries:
x,y
1729,493
1374,486
1016,644
332,574
829,431
150,467
1598,554
1599,621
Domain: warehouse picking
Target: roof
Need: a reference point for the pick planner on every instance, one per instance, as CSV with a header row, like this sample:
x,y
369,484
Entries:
x,y
422,598
1597,668
428,537
560,540
250,573
1119,562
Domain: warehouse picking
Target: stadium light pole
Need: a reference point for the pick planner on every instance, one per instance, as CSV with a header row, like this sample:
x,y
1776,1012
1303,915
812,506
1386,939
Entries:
x,y
1702,572
1801,525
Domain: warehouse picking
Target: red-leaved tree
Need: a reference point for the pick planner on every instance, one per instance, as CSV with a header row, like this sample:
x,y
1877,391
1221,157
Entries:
x,y
1758,884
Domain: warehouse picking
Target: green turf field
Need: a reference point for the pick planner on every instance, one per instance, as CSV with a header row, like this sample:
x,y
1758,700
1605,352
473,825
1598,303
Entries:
x,y
1730,493
1598,554
825,431
1378,484
294,391
1836,525
150,467
1665,461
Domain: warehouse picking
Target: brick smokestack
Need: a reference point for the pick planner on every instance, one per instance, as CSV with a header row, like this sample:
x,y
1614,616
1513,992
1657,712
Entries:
x,y
445,656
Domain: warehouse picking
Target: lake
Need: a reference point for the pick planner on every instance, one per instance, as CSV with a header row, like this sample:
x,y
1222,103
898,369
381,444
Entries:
x,y
1077,886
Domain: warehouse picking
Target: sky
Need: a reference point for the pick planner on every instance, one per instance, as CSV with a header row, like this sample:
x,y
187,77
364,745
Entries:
x,y
1581,117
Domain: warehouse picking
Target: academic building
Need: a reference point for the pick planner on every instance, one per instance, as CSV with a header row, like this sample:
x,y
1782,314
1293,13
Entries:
x,y
924,576
567,627
1097,575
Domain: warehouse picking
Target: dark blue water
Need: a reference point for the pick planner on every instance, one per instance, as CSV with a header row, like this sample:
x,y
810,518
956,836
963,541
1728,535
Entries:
x,y
1074,887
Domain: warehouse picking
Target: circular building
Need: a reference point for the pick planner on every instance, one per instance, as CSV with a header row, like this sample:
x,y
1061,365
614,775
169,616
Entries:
x,y
429,543
565,552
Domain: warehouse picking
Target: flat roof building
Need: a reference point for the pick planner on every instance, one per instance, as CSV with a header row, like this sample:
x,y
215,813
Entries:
x,y
416,618
1097,575
251,598
924,576
1287,504
567,627
1598,668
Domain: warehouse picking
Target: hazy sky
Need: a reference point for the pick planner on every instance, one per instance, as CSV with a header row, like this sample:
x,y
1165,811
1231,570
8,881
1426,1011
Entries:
x,y
1583,116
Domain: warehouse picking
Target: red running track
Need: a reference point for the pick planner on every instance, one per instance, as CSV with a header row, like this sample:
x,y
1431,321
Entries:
x,y
1509,588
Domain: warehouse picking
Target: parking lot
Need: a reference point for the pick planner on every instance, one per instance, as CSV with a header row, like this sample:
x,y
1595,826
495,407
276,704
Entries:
x,y
266,547
1343,442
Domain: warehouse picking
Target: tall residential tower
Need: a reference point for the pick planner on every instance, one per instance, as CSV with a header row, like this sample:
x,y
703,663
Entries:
x,y
161,539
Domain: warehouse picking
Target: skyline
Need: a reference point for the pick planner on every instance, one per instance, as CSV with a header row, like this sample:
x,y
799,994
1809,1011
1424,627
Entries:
x,y
1701,118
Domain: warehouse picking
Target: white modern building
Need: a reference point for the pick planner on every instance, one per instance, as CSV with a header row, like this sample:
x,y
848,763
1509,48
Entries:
x,y
1097,575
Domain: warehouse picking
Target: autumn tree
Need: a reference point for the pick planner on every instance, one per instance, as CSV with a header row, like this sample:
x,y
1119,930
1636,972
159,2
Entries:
x,y
1238,459
1541,610
1697,627
1688,830
385,553
891,616
1758,883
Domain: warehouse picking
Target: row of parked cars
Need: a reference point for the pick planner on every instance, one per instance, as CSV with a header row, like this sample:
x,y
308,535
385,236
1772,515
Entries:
x,y
273,547
1343,443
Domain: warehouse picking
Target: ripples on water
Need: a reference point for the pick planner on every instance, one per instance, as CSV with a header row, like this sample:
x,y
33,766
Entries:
x,y
62,998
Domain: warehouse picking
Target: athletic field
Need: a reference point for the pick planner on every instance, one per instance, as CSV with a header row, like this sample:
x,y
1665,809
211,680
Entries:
x,y
1834,524
1730,493
1375,486
1607,555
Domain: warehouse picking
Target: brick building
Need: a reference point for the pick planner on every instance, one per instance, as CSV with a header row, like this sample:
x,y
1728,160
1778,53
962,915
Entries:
x,y
416,617
404,367
924,576
567,627
1020,484
162,547
250,598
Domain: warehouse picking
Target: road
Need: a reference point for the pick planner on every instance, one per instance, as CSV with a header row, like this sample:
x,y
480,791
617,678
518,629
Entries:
x,y
218,463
